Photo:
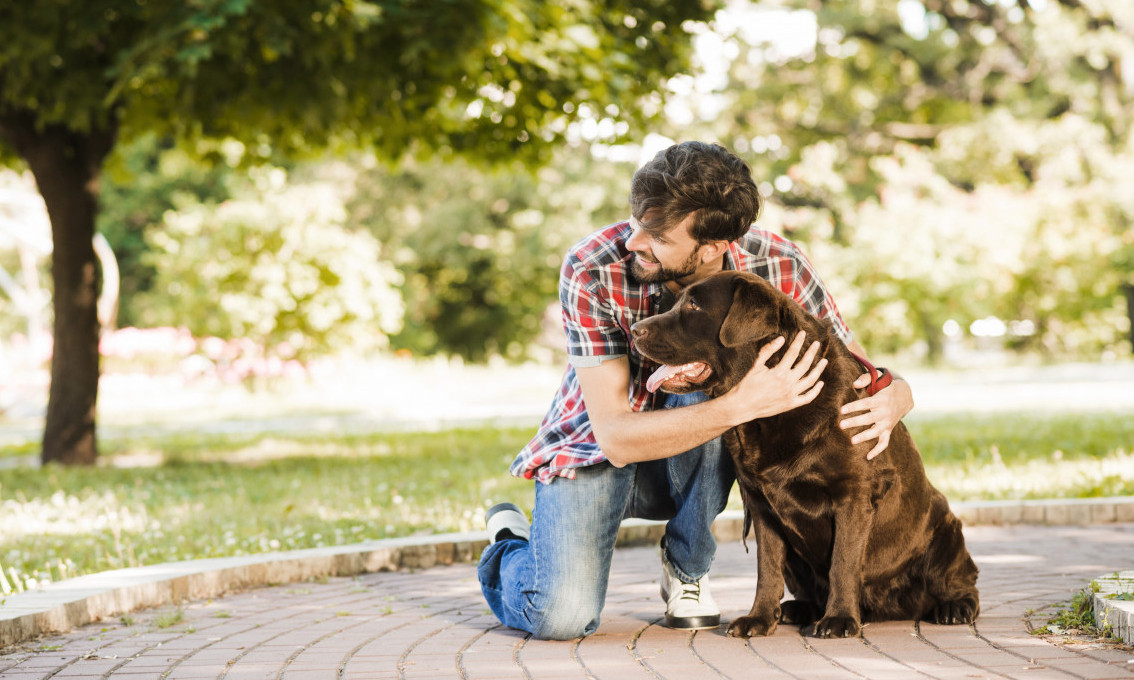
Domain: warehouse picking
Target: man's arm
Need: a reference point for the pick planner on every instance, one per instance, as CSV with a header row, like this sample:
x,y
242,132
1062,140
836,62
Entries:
x,y
880,413
627,436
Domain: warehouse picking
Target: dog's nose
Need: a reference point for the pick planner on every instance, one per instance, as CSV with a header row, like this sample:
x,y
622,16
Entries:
x,y
638,331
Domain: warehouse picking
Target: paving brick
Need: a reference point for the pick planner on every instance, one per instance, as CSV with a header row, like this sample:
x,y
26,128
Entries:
x,y
432,623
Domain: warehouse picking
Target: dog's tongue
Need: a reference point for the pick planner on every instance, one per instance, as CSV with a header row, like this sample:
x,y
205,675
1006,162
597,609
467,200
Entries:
x,y
664,373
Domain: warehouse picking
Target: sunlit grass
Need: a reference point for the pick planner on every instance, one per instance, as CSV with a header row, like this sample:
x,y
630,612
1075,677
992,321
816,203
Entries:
x,y
1028,456
223,495
60,522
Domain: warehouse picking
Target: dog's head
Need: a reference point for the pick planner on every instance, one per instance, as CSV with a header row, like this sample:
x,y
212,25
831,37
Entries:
x,y
710,338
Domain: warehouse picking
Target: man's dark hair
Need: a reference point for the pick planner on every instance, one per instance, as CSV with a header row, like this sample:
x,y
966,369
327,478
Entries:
x,y
701,178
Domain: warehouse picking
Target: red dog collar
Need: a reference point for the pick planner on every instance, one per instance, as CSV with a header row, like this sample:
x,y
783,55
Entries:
x,y
879,377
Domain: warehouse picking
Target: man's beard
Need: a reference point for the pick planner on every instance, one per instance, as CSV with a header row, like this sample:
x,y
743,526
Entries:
x,y
662,274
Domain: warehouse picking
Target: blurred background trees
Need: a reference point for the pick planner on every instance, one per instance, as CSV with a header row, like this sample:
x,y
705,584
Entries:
x,y
957,169
247,83
947,161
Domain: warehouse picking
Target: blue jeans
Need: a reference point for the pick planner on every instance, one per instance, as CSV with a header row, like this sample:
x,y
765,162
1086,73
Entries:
x,y
554,586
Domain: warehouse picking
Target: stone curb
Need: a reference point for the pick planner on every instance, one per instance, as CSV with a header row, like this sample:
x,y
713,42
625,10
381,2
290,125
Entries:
x,y
1117,614
1057,512
62,606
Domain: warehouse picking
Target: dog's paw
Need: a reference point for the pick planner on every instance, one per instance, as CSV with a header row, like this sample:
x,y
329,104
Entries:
x,y
837,627
798,612
751,626
954,612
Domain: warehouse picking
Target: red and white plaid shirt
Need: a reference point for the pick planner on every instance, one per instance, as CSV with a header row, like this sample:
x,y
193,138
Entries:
x,y
601,301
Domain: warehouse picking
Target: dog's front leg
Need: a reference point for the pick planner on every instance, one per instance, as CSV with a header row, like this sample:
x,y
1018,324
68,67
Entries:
x,y
764,616
854,518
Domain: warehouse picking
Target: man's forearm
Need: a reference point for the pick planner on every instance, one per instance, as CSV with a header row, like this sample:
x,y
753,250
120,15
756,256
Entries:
x,y
633,437
626,436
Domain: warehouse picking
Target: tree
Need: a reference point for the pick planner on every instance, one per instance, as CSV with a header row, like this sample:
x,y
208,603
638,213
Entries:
x,y
998,132
491,79
275,266
480,250
140,183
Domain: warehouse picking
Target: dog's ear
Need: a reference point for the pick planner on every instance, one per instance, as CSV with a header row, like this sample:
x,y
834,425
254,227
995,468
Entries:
x,y
753,315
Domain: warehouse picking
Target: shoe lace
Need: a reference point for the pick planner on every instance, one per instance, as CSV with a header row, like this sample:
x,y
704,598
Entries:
x,y
691,591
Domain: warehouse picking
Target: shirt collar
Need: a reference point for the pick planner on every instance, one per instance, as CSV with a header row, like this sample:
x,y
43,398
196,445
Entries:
x,y
733,258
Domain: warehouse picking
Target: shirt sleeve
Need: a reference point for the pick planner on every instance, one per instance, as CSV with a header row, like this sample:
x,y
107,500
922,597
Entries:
x,y
809,291
593,332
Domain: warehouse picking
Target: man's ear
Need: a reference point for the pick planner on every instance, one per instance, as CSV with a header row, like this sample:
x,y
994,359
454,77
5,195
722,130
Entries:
x,y
750,317
712,250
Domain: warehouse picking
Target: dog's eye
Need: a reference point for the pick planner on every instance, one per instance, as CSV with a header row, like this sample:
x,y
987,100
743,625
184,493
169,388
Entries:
x,y
693,304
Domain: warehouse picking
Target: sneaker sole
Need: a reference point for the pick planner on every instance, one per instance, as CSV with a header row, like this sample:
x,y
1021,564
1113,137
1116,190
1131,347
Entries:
x,y
690,622
501,507
518,529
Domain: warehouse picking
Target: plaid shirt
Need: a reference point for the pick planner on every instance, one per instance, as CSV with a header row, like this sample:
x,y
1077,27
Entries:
x,y
601,301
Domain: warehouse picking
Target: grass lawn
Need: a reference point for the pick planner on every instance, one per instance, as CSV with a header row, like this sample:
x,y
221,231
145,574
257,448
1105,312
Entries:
x,y
193,497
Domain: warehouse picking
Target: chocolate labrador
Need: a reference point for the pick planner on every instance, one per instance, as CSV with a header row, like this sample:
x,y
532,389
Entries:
x,y
854,540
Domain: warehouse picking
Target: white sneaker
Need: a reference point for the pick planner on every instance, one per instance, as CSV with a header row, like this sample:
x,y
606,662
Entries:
x,y
688,606
506,517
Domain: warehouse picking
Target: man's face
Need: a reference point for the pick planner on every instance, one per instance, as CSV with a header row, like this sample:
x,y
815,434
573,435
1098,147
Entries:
x,y
670,256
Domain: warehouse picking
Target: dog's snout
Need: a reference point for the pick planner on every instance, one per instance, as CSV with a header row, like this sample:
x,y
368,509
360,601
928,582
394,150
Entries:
x,y
638,331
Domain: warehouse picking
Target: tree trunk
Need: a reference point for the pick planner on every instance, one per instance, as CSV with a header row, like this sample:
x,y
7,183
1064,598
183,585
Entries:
x,y
934,337
66,166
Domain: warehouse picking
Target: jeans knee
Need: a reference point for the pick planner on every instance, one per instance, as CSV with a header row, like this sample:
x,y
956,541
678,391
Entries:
x,y
561,628
565,618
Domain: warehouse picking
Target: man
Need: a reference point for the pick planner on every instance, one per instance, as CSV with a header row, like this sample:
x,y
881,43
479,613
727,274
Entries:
x,y
609,448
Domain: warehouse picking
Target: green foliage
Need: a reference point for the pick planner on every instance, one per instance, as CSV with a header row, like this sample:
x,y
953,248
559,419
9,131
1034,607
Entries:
x,y
480,251
170,618
938,160
143,180
491,79
274,266
476,254
944,160
496,78
1074,618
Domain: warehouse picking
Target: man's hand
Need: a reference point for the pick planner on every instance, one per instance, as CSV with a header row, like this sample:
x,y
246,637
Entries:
x,y
789,384
879,414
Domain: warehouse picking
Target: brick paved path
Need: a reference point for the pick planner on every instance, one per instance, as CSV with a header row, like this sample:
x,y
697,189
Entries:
x,y
433,624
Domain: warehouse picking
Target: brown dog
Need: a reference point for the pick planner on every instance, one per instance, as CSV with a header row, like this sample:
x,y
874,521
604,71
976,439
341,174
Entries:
x,y
855,540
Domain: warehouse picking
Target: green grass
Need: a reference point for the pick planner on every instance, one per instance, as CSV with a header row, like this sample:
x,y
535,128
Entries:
x,y
964,438
14,450
60,522
1017,456
232,495
170,618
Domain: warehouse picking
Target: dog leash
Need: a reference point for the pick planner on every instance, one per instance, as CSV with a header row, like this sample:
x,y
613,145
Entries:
x,y
879,377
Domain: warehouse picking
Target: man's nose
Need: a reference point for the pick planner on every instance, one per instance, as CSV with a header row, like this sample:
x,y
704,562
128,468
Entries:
x,y
635,243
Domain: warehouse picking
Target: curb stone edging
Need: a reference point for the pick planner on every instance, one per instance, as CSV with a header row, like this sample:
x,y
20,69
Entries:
x,y
1118,615
75,602
1063,511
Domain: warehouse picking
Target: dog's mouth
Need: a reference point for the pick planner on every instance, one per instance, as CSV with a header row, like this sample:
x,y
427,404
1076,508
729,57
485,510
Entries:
x,y
670,378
